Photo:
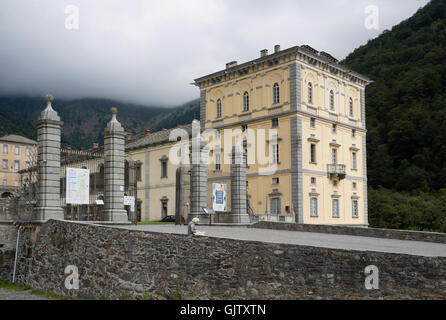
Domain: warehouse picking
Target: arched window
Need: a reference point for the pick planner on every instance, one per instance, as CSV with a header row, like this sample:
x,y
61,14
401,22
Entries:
x,y
310,92
331,100
276,93
218,108
245,101
351,107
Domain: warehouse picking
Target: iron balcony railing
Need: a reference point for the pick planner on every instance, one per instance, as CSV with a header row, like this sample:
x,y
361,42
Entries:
x,y
336,170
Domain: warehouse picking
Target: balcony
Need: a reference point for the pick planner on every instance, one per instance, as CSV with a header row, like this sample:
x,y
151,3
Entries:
x,y
336,171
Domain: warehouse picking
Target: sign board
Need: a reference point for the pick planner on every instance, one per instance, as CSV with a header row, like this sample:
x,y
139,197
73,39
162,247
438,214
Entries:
x,y
78,186
219,197
209,211
130,201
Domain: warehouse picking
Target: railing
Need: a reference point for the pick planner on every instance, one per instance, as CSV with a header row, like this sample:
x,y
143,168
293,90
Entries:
x,y
336,170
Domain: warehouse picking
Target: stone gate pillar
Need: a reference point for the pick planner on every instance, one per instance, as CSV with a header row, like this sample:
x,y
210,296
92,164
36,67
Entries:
x,y
198,176
239,210
48,164
114,164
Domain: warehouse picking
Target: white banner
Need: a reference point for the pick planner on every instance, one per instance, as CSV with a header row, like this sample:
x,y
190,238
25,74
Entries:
x,y
78,186
219,197
130,201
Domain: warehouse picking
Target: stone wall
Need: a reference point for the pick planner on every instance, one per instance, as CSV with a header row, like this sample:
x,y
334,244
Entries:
x,y
116,263
355,231
8,236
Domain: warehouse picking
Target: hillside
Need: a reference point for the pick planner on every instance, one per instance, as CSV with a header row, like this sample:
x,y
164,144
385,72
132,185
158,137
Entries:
x,y
85,119
406,121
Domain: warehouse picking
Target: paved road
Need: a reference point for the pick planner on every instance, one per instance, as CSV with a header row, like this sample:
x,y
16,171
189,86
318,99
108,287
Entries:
x,y
18,295
333,241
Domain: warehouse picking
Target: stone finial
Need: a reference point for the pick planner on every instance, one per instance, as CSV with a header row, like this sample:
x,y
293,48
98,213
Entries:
x,y
114,124
49,113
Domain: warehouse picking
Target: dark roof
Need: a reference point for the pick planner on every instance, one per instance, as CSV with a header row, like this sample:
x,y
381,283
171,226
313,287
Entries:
x,y
17,139
155,138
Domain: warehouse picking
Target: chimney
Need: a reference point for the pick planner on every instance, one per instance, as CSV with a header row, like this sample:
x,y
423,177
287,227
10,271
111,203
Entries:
x,y
95,145
128,137
147,132
276,48
263,53
231,64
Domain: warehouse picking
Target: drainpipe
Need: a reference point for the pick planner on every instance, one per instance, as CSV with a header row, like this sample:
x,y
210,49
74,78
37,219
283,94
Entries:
x,y
16,253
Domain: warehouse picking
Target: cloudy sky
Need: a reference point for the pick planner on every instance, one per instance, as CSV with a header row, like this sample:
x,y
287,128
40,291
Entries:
x,y
148,52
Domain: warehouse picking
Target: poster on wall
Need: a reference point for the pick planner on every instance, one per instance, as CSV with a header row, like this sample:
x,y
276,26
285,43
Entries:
x,y
78,186
219,197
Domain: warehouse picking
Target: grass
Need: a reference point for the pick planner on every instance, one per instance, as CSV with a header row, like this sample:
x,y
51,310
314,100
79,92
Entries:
x,y
11,287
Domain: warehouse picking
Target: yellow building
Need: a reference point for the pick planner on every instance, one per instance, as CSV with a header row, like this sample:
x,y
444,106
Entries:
x,y
312,113
17,153
156,174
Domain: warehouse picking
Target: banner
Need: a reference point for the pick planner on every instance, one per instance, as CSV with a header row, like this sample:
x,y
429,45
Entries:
x,y
219,197
78,186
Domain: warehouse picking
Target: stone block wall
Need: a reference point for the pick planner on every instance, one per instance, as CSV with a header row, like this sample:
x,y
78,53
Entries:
x,y
8,238
115,263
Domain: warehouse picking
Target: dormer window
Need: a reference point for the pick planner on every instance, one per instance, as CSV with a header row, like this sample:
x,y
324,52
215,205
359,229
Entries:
x,y
246,101
218,108
276,98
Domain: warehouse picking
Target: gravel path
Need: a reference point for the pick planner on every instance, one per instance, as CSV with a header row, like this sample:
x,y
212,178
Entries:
x,y
324,240
18,295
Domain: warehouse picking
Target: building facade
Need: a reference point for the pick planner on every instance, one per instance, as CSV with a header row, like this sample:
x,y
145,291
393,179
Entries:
x,y
312,112
17,153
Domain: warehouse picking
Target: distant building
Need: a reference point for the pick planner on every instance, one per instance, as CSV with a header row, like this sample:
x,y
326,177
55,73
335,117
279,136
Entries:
x,y
318,153
17,153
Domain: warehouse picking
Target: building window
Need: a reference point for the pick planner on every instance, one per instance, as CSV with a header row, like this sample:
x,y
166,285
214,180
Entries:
x,y
313,122
5,148
28,151
275,153
275,181
138,171
17,150
276,98
351,107
354,185
313,207
5,182
217,162
354,160
334,128
163,169
275,123
16,165
335,208
334,156
353,133
355,208
244,128
275,206
313,180
310,93
5,164
335,183
313,153
218,108
245,101
27,165
331,97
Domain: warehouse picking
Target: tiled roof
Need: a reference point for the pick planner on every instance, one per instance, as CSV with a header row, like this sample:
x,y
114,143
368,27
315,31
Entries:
x,y
155,138
17,139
